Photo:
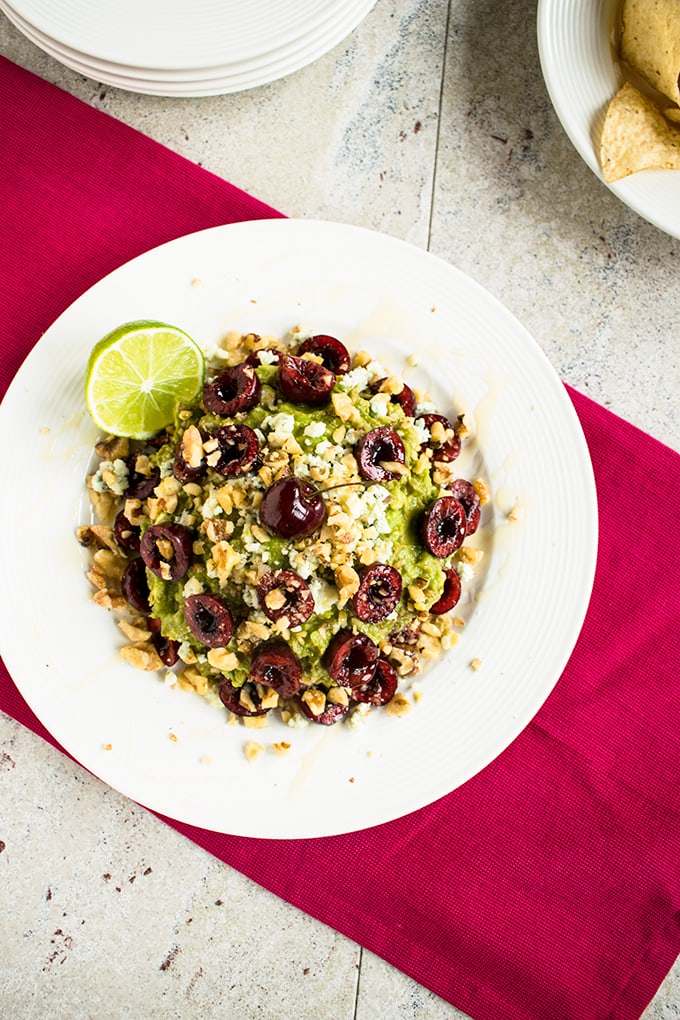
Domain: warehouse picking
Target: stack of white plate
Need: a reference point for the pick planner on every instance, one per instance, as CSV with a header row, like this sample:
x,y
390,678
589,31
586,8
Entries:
x,y
186,47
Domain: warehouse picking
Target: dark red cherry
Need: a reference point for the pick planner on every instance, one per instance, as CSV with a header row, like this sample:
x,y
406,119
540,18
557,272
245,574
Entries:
x,y
350,658
444,526
378,593
406,398
231,699
235,389
304,382
284,593
465,493
127,535
276,665
209,619
134,586
381,687
377,448
237,450
331,714
292,508
446,450
167,549
140,486
450,595
333,353
167,649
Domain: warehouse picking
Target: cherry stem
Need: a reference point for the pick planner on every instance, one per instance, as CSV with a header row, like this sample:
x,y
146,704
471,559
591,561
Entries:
x,y
340,485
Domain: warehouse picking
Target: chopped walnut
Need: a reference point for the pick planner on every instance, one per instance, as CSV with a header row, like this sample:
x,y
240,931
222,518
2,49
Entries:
x,y
315,700
252,750
142,656
222,660
192,447
399,705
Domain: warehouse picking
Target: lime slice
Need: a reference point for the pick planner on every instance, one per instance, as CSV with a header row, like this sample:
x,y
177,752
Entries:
x,y
138,373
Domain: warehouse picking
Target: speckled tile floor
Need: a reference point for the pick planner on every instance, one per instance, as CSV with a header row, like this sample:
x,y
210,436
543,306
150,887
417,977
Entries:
x,y
430,122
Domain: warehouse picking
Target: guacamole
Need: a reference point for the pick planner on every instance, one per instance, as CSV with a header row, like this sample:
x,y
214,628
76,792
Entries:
x,y
300,531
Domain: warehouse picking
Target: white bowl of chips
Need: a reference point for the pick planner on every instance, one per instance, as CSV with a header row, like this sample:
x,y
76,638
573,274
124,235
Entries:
x,y
627,131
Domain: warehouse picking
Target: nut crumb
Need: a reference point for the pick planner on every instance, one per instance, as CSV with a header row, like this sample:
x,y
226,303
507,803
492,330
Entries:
x,y
173,737
108,747
281,747
476,664
252,750
398,706
516,514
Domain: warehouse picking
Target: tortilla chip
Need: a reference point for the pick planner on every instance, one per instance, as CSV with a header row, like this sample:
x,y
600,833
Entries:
x,y
650,43
636,136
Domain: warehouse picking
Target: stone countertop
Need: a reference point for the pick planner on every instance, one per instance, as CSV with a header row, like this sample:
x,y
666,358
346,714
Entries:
x,y
431,122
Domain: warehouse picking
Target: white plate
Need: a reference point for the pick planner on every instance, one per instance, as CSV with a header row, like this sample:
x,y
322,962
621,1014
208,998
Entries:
x,y
335,23
166,34
185,82
523,614
581,75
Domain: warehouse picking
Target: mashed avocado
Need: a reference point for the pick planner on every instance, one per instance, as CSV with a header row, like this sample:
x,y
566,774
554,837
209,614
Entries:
x,y
365,456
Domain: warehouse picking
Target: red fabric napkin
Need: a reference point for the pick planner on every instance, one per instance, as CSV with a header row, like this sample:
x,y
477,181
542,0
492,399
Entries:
x,y
546,888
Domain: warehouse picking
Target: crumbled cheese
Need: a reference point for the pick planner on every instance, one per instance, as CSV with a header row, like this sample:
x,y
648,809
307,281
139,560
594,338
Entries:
x,y
465,571
192,587
421,430
358,378
267,357
325,595
315,429
112,476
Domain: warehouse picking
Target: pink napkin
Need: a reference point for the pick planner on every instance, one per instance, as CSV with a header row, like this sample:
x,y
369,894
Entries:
x,y
547,887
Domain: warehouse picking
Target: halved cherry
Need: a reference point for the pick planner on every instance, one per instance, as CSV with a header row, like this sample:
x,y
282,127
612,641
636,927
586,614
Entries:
x,y
237,450
304,382
331,714
450,595
127,535
140,486
276,665
405,398
350,658
381,687
446,448
134,586
292,508
209,619
333,353
378,593
465,493
444,526
167,550
167,648
235,389
284,593
376,451
239,704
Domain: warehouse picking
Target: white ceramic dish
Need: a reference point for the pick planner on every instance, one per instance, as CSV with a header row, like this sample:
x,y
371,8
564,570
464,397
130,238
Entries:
x,y
203,81
174,33
581,75
524,611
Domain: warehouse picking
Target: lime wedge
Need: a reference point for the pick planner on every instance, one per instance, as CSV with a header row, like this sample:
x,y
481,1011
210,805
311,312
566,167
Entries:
x,y
138,373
